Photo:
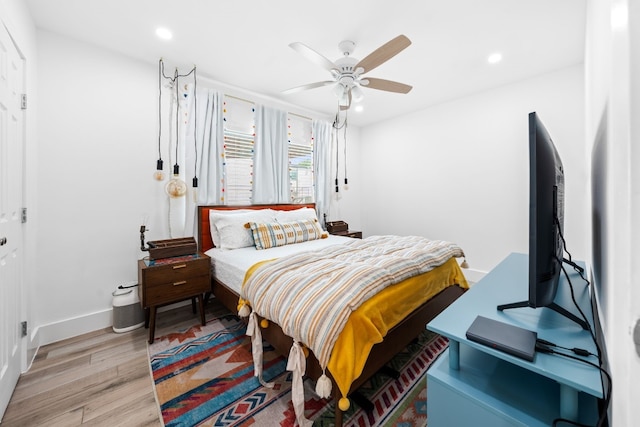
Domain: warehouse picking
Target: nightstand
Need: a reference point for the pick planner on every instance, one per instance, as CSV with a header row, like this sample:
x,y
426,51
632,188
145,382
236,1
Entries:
x,y
348,233
169,280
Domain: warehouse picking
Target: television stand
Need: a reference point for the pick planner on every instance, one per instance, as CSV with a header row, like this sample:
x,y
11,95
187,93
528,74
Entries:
x,y
496,388
553,306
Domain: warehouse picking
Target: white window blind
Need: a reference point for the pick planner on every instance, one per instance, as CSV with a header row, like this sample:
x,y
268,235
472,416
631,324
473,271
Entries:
x,y
239,133
300,159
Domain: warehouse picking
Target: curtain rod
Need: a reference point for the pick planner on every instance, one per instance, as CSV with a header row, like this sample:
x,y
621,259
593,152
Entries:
x,y
253,102
239,99
300,115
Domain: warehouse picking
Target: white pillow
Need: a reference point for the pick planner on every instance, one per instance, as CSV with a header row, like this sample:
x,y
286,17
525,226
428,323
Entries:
x,y
232,231
296,215
215,215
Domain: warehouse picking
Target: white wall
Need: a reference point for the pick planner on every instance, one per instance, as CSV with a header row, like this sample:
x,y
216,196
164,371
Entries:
x,y
97,126
460,171
612,129
97,154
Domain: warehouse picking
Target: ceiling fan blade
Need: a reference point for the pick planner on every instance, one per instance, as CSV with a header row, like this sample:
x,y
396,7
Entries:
x,y
313,56
384,53
387,85
308,86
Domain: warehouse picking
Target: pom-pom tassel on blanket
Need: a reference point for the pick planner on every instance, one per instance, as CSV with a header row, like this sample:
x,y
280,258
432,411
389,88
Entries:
x,y
464,264
323,386
297,364
243,308
253,330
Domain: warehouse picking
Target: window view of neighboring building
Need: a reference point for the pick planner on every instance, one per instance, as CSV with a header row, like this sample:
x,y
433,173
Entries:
x,y
239,133
300,158
239,138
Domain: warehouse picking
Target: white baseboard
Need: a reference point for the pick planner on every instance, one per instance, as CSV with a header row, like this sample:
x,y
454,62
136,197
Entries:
x,y
74,326
472,275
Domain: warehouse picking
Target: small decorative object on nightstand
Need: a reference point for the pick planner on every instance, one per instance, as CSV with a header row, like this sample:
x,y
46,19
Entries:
x,y
169,280
348,233
341,228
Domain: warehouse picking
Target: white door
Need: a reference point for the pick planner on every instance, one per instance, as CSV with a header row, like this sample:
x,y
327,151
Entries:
x,y
11,192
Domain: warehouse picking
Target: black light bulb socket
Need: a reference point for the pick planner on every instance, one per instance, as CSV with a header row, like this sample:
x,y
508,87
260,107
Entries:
x,y
345,181
176,169
195,182
159,164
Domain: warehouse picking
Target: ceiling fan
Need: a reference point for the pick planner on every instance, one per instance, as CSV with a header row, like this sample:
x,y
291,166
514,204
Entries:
x,y
347,72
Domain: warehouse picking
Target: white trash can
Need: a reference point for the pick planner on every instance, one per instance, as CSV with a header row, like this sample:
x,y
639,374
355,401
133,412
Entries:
x,y
127,311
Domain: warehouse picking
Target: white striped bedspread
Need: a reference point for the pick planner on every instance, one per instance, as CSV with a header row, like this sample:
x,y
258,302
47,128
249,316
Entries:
x,y
312,294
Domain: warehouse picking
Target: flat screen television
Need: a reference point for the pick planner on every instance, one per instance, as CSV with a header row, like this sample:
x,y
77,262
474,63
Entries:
x,y
546,222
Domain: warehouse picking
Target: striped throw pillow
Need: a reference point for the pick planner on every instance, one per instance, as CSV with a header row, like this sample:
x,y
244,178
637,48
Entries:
x,y
269,235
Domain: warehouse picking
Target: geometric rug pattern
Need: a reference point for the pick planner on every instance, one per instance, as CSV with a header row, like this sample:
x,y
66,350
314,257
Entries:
x,y
203,376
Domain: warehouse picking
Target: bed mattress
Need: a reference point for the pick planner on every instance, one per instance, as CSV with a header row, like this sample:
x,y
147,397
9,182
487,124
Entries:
x,y
231,265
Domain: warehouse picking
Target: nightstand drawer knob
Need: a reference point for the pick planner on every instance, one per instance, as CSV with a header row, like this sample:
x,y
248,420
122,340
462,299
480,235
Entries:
x,y
175,267
179,283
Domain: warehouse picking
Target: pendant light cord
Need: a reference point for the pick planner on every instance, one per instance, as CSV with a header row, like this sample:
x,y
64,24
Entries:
x,y
337,127
160,65
195,127
176,168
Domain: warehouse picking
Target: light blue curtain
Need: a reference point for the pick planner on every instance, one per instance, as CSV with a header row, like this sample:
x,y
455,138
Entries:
x,y
321,131
271,162
203,154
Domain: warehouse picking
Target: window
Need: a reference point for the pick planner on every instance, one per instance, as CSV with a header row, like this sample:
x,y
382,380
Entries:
x,y
239,137
300,158
239,132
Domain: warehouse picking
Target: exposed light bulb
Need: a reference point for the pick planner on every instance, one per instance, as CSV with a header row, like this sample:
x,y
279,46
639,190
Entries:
x,y
195,189
176,186
158,175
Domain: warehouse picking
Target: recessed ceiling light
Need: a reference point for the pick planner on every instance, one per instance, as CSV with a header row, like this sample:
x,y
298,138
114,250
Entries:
x,y
494,58
359,108
164,33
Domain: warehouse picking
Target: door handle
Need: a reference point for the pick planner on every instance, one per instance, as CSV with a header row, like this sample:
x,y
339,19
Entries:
x,y
3,241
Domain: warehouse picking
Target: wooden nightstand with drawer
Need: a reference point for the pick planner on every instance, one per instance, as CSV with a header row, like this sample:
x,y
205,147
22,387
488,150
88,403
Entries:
x,y
169,280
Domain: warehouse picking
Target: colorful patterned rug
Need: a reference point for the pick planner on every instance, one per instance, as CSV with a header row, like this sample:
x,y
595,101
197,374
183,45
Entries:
x,y
203,376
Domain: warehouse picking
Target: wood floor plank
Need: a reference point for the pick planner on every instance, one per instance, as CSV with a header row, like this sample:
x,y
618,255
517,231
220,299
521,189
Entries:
x,y
99,378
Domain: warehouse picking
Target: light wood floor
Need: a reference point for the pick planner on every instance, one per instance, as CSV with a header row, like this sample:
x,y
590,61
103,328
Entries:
x,y
100,378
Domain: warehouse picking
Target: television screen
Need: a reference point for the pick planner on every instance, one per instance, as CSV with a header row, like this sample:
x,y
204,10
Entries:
x,y
546,215
546,222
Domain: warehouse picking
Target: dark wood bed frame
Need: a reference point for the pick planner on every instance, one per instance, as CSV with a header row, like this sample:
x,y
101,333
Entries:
x,y
397,338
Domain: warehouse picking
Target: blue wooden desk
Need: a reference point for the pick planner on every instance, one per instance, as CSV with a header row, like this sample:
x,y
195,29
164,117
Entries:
x,y
507,283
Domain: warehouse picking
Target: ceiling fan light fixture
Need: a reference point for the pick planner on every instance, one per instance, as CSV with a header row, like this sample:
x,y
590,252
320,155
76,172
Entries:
x,y
357,94
346,71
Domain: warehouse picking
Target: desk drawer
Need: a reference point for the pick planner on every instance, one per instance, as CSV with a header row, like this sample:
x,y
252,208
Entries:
x,y
183,288
176,272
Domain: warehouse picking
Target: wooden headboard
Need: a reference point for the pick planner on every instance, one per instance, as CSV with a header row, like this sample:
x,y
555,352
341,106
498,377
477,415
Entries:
x,y
205,242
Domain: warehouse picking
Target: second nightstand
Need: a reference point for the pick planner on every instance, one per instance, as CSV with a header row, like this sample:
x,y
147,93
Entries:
x,y
169,280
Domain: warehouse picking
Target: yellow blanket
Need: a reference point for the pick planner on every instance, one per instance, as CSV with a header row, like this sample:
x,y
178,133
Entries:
x,y
369,324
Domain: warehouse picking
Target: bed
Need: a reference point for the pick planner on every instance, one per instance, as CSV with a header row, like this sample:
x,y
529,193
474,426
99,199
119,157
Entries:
x,y
229,275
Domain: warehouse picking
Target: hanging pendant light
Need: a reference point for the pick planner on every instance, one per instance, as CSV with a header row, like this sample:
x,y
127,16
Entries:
x,y
194,182
158,175
176,186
